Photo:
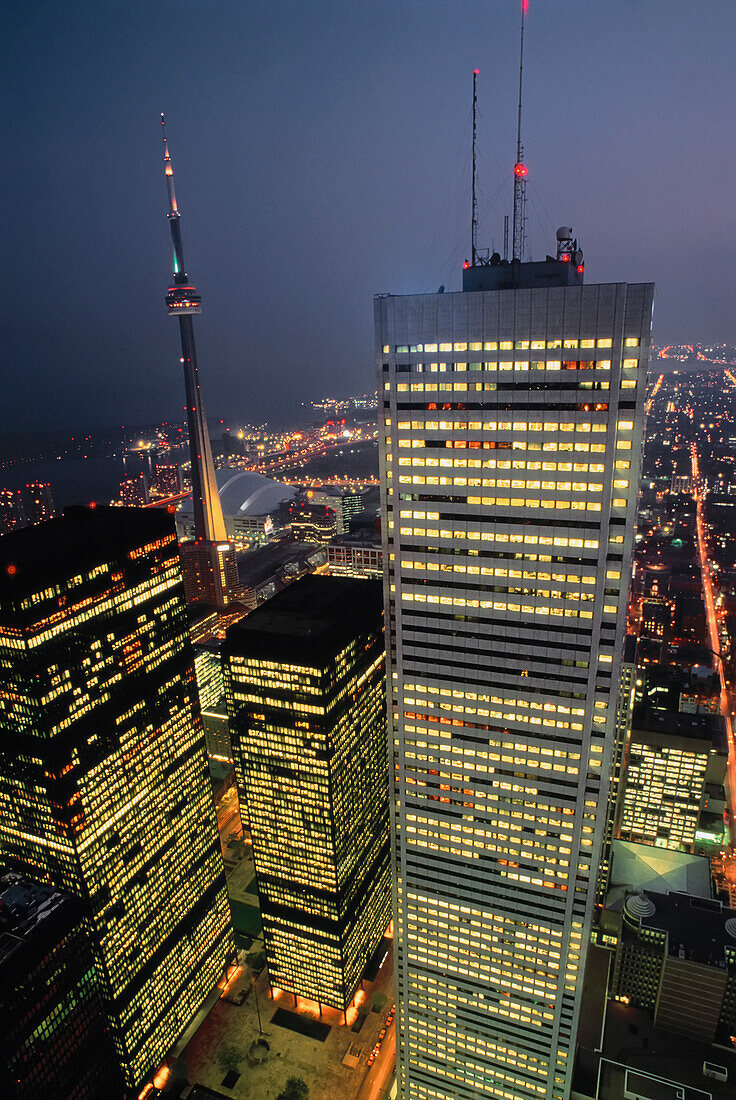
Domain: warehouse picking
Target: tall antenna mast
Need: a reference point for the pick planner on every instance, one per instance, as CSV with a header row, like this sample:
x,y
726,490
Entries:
x,y
183,302
474,215
520,169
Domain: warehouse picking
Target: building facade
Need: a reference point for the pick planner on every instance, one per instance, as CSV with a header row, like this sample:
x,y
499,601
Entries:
x,y
305,684
510,457
12,512
355,555
670,760
103,787
39,503
133,491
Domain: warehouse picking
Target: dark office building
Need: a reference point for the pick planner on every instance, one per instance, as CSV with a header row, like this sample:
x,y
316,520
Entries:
x,y
305,685
103,787
53,1042
39,505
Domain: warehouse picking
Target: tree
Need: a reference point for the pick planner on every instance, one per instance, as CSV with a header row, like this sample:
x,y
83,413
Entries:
x,y
294,1089
229,1057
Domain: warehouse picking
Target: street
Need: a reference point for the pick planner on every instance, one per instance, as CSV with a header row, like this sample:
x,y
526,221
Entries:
x,y
715,640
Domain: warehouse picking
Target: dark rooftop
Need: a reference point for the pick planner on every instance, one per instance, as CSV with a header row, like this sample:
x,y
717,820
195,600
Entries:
x,y
258,566
671,724
311,620
33,915
49,553
696,927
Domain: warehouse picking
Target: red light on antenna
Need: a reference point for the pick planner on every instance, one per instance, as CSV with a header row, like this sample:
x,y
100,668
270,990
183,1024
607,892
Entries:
x,y
475,72
466,263
93,504
11,570
581,269
565,257
521,171
524,6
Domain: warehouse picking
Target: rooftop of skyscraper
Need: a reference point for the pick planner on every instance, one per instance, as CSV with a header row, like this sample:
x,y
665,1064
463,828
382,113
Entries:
x,y
312,619
31,914
80,538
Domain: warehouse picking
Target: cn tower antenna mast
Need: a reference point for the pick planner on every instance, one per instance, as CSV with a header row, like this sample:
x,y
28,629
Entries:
x,y
183,302
474,215
521,171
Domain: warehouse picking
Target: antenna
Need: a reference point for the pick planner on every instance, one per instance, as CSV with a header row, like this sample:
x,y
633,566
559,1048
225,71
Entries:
x,y
520,169
169,173
474,215
505,236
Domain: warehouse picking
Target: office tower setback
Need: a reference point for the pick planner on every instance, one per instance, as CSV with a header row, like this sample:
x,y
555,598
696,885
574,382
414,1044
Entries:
x,y
12,513
39,505
103,783
209,563
52,1035
512,425
305,684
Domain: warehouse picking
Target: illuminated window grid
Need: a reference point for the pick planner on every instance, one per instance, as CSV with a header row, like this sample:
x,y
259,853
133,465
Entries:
x,y
519,827
663,793
317,821
97,824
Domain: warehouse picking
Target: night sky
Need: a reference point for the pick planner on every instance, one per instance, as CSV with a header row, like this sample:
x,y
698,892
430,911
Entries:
x,y
322,154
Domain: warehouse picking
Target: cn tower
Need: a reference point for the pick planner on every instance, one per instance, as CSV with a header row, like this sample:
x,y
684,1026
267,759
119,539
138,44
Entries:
x,y
209,562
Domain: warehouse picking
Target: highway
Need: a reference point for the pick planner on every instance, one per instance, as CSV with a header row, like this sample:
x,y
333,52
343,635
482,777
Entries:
x,y
713,633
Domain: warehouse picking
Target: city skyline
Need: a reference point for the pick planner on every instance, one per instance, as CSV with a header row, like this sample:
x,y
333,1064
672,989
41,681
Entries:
x,y
333,103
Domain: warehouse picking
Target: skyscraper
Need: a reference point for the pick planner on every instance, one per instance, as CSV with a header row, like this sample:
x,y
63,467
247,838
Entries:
x,y
40,506
305,684
12,513
103,783
133,491
512,422
209,562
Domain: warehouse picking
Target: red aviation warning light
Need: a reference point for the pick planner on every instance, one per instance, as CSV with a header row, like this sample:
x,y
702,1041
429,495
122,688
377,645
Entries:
x,y
521,171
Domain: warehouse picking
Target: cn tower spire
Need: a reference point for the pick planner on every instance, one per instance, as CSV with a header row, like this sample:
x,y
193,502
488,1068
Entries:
x,y
183,302
520,169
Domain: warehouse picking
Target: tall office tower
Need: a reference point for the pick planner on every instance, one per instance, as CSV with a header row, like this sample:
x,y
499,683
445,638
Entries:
x,y
12,513
40,506
133,491
103,783
510,457
52,1031
305,683
167,479
209,562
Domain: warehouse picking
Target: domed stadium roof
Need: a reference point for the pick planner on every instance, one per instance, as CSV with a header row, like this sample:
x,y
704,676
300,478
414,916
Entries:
x,y
247,494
